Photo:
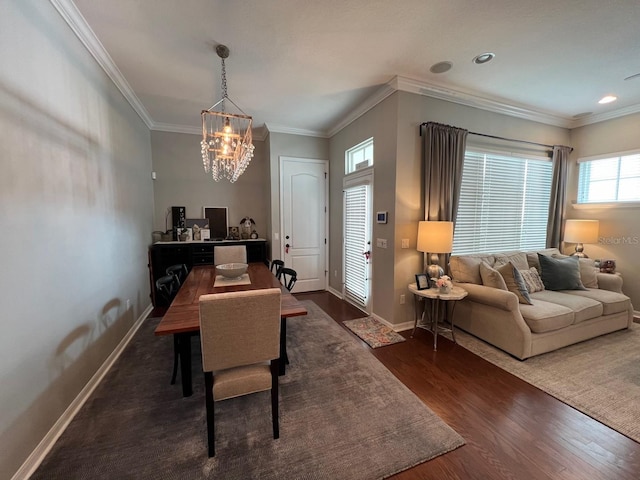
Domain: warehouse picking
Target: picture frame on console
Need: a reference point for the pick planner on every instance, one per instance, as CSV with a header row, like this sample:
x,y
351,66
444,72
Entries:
x,y
218,222
422,282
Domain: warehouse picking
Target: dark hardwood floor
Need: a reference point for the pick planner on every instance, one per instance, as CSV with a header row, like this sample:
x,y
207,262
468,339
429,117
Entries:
x,y
512,429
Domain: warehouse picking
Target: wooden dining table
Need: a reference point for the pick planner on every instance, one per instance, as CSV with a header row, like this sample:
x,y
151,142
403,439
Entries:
x,y
182,319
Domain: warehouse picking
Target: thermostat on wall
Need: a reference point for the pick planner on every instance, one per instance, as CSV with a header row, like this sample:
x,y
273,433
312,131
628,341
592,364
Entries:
x,y
381,217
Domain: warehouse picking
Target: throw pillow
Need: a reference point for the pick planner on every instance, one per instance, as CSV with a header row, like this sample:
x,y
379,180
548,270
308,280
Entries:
x,y
491,277
560,273
588,270
532,280
514,282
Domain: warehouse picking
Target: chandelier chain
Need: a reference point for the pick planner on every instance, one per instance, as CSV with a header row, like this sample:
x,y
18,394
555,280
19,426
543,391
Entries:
x,y
224,83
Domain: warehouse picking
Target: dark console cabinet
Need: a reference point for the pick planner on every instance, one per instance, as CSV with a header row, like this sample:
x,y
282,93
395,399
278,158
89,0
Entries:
x,y
165,254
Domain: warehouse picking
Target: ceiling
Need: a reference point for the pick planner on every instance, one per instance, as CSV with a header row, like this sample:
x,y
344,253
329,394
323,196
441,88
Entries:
x,y
308,67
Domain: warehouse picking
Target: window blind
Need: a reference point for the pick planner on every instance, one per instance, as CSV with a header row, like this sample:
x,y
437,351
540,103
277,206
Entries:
x,y
615,179
504,203
355,287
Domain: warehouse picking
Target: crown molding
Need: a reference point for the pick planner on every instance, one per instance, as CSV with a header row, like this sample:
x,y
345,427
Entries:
x,y
273,128
601,117
378,96
70,13
175,128
472,100
258,134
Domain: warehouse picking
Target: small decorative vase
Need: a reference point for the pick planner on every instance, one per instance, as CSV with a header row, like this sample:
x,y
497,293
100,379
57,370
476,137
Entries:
x,y
445,289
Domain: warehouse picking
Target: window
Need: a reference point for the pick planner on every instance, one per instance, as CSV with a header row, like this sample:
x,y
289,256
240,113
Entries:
x,y
359,157
504,203
612,179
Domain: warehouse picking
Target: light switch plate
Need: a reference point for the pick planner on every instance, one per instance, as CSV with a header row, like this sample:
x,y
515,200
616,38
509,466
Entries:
x,y
381,242
405,243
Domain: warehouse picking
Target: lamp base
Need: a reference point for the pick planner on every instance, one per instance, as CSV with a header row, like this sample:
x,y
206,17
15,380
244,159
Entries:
x,y
579,251
434,271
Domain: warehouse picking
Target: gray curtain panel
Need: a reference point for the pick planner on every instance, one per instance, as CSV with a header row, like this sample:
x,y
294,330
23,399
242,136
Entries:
x,y
555,223
443,158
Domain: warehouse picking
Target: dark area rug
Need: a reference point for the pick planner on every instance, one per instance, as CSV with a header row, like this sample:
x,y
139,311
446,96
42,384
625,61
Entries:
x,y
342,415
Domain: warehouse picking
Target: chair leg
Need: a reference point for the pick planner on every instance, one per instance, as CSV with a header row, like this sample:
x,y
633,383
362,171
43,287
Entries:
x,y
274,397
209,402
176,349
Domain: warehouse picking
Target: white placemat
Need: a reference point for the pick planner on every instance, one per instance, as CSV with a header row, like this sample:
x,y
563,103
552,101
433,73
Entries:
x,y
221,281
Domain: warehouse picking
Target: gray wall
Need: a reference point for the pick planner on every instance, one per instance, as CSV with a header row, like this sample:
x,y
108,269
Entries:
x,y
619,227
181,181
77,208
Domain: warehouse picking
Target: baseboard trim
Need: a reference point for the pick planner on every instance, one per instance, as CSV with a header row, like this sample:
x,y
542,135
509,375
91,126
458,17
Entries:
x,y
334,292
46,444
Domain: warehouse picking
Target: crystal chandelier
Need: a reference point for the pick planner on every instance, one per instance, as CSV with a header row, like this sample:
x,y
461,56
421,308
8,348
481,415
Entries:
x,y
227,144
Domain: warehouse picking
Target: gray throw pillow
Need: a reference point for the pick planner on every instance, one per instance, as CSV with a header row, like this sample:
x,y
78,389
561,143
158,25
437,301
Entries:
x,y
560,273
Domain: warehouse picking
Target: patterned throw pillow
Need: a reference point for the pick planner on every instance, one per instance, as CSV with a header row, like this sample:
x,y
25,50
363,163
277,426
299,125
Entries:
x,y
514,282
532,280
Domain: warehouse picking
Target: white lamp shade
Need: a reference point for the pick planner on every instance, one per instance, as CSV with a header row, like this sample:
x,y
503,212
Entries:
x,y
581,231
435,237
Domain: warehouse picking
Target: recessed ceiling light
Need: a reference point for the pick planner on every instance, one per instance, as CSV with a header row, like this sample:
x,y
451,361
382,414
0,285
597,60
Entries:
x,y
631,77
608,99
483,58
441,67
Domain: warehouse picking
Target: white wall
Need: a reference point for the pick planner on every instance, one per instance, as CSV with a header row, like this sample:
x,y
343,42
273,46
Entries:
x,y
182,181
76,207
619,227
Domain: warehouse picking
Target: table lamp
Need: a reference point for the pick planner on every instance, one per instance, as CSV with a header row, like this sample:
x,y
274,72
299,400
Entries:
x,y
579,232
435,237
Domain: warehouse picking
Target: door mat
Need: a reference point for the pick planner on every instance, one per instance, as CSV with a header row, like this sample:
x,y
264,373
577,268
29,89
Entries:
x,y
373,332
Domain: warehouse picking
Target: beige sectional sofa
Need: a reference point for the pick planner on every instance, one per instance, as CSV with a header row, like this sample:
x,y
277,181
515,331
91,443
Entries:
x,y
553,319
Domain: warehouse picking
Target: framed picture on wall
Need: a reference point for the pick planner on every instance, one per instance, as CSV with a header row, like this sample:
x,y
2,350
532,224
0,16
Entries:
x,y
218,221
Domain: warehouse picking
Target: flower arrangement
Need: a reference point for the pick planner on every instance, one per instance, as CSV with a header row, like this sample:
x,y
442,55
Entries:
x,y
444,281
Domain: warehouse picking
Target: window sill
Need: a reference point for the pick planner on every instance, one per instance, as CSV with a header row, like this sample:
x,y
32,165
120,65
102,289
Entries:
x,y
599,206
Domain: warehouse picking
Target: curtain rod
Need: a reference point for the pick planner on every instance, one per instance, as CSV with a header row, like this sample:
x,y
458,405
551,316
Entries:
x,y
499,138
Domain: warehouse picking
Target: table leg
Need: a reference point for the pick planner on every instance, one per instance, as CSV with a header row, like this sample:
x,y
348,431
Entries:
x,y
434,322
284,358
184,349
450,317
416,302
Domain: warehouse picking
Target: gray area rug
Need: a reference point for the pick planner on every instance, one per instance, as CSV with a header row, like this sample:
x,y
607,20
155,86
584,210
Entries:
x,y
342,415
599,377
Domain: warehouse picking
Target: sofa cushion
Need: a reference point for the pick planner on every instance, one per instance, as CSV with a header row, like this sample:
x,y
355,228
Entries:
x,y
612,302
518,259
514,282
491,277
466,268
560,273
532,257
546,316
583,308
532,280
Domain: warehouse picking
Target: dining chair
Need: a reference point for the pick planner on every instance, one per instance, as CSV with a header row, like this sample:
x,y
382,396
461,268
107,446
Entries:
x,y
277,265
230,254
168,286
240,344
288,277
179,270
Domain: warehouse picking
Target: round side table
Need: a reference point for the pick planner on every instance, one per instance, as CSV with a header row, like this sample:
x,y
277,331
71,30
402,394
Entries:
x,y
437,304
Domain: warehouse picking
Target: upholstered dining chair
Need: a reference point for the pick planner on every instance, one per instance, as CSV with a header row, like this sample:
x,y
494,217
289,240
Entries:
x,y
276,265
240,340
229,254
288,277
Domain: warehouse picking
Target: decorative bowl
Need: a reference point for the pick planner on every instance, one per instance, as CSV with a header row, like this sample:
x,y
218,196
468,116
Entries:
x,y
231,270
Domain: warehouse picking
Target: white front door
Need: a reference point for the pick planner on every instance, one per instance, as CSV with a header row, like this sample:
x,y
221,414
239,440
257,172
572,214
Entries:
x,y
303,201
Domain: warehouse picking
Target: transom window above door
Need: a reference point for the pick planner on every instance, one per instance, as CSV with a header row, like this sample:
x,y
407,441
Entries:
x,y
359,157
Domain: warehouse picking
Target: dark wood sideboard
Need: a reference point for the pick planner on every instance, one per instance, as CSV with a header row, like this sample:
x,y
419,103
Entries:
x,y
165,254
